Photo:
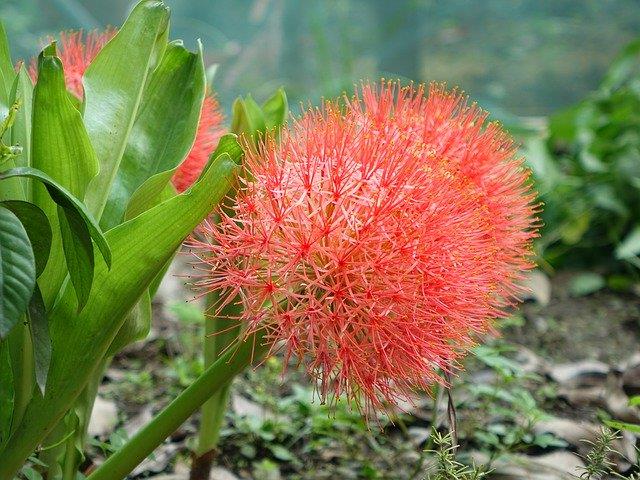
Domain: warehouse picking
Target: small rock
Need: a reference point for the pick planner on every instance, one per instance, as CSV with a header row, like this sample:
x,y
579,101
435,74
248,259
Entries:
x,y
219,473
246,408
419,435
564,461
584,373
573,432
631,375
585,396
159,461
581,436
171,476
553,466
530,362
538,287
618,407
104,418
139,421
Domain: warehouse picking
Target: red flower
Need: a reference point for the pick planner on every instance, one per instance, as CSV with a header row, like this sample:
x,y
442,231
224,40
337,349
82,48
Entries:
x,y
376,240
77,50
209,132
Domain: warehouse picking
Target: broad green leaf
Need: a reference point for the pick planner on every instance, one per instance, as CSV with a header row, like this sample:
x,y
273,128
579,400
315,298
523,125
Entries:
x,y
630,246
136,326
248,118
23,370
37,226
164,130
40,339
141,248
6,392
153,191
276,110
22,91
634,401
17,270
12,189
6,65
78,252
113,87
62,197
157,189
61,149
76,230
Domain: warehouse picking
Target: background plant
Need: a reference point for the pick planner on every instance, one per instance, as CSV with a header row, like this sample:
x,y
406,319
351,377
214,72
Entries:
x,y
587,169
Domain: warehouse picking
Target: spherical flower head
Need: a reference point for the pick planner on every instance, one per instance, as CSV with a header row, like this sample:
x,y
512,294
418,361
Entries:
x,y
77,50
368,240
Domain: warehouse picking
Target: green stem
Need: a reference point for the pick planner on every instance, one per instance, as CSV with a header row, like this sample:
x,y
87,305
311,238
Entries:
x,y
83,407
215,342
234,361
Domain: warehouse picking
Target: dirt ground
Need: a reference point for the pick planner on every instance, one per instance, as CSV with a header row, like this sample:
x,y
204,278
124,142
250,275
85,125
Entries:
x,y
273,433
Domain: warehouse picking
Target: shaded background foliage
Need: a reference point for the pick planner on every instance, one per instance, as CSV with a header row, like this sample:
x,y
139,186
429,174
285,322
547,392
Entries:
x,y
523,57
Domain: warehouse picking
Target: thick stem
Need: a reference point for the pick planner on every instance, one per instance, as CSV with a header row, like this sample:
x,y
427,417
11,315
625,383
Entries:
x,y
234,361
218,337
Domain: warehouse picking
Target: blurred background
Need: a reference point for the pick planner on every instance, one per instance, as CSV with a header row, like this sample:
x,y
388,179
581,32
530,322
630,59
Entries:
x,y
564,77
522,57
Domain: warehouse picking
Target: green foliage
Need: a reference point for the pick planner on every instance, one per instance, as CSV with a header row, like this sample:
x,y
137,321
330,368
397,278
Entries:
x,y
597,461
254,120
78,272
509,404
446,466
587,171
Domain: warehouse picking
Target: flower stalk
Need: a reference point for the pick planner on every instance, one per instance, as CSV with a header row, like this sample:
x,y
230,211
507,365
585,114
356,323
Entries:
x,y
217,376
218,337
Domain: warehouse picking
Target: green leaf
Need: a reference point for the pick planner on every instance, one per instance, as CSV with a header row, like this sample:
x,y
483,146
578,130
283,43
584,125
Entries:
x,y
61,146
17,270
136,326
248,118
6,393
157,189
276,110
22,91
6,65
76,231
67,201
114,85
634,401
164,130
152,192
78,252
141,248
60,149
630,246
37,226
629,427
40,339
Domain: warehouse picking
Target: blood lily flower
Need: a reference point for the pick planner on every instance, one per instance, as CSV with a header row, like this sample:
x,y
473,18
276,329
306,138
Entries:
x,y
77,50
376,239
